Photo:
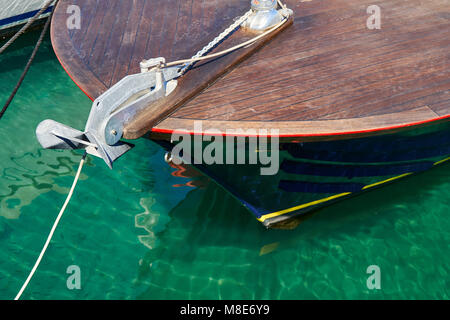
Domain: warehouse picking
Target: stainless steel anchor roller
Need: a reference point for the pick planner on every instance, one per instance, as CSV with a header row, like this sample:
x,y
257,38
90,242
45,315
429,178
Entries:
x,y
111,112
115,108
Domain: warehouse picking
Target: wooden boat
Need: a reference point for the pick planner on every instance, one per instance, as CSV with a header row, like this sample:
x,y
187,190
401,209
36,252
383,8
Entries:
x,y
14,13
356,107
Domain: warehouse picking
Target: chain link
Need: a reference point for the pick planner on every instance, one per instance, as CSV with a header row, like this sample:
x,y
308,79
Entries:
x,y
217,40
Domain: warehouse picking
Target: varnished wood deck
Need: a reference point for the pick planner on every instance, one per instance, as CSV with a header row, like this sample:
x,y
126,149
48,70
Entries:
x,y
325,75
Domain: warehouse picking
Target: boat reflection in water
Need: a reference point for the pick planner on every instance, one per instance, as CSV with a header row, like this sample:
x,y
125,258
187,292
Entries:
x,y
210,243
151,220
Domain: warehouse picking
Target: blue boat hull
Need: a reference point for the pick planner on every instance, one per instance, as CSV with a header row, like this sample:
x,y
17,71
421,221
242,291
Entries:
x,y
315,174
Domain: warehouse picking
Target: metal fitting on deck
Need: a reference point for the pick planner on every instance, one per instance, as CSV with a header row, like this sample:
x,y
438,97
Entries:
x,y
150,64
265,15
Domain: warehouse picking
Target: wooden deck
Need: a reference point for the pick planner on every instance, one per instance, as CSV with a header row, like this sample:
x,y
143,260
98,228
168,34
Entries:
x,y
328,74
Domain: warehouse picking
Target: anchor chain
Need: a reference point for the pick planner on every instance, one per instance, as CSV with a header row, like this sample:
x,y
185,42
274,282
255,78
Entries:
x,y
283,14
217,40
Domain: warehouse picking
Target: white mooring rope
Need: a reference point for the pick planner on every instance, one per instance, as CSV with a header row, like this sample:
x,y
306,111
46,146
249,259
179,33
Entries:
x,y
216,41
69,196
221,53
201,55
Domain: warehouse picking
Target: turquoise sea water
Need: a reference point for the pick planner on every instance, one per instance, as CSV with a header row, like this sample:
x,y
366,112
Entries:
x,y
136,236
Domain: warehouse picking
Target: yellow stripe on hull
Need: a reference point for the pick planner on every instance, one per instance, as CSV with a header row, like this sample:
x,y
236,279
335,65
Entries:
x,y
313,203
279,213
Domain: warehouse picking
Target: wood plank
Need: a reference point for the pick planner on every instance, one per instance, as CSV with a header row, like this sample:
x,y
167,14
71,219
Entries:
x,y
327,67
313,130
195,81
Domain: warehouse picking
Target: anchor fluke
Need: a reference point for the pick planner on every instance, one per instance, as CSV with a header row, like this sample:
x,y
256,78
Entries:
x,y
55,135
108,153
110,112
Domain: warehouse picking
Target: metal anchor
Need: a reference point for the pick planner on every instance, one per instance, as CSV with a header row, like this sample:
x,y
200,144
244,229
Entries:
x,y
111,112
